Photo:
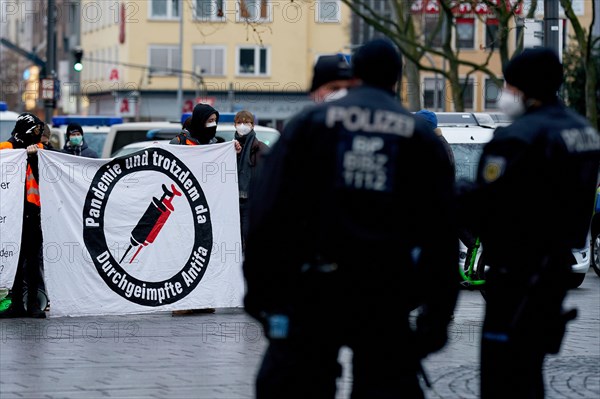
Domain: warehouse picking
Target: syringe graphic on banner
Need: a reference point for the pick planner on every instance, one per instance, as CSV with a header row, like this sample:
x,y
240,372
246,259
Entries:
x,y
152,221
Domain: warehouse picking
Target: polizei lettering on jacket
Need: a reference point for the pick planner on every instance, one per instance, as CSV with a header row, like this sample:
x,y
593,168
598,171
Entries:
x,y
365,154
355,119
581,140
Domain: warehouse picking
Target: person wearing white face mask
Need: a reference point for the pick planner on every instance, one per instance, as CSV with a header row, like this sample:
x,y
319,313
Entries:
x,y
250,151
332,77
530,205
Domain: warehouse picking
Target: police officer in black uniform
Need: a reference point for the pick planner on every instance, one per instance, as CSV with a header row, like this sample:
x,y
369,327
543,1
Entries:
x,y
532,204
351,184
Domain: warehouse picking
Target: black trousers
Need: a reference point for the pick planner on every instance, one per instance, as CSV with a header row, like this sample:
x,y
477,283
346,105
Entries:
x,y
300,369
28,267
522,324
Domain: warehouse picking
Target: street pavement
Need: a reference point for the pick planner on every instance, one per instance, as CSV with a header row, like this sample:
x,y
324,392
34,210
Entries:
x,y
216,356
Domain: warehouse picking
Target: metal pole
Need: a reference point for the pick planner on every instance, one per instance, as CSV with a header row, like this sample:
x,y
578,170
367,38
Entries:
x,y
551,28
50,57
180,83
76,35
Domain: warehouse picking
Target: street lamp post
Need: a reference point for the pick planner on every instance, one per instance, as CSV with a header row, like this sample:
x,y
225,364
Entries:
x,y
50,57
180,80
551,28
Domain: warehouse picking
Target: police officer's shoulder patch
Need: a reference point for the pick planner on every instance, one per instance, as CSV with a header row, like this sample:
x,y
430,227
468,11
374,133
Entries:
x,y
493,168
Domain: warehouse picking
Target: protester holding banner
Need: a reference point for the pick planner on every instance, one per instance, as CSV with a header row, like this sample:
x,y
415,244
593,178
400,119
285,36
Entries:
x,y
342,221
201,129
75,143
250,152
27,135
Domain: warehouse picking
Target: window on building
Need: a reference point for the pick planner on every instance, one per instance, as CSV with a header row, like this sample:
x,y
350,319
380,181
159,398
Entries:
x,y
163,59
491,94
254,10
253,61
491,34
429,93
465,32
209,60
468,99
361,31
327,11
210,10
164,9
430,24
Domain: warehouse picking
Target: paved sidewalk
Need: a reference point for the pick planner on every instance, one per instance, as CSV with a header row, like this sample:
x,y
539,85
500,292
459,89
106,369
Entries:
x,y
216,356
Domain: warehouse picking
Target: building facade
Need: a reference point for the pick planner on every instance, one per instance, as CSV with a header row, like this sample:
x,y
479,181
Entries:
x,y
473,33
153,60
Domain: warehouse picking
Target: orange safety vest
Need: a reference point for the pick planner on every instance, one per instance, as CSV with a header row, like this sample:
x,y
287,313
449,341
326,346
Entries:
x,y
32,189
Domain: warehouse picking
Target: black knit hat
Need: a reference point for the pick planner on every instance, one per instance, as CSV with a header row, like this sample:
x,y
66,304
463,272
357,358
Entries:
x,y
200,115
378,63
74,127
28,129
330,68
537,72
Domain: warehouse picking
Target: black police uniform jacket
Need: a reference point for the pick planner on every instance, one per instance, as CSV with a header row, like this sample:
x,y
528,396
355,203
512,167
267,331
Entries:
x,y
362,186
532,204
536,186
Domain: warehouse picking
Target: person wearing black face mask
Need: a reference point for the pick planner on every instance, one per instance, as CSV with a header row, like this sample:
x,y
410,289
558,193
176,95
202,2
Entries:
x,y
201,129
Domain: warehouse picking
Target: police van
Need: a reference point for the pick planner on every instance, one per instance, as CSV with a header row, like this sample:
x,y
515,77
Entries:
x,y
95,130
7,121
137,135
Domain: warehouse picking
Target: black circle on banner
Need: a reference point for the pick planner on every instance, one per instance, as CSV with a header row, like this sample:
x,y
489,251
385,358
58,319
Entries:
x,y
147,293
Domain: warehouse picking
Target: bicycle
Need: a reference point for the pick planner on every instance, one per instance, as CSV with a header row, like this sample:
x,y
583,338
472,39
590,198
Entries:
x,y
472,272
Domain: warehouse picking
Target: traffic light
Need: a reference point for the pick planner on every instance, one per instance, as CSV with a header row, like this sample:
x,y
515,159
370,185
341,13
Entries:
x,y
77,55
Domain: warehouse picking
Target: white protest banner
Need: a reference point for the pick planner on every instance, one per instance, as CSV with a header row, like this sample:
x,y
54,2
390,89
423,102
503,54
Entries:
x,y
151,231
13,165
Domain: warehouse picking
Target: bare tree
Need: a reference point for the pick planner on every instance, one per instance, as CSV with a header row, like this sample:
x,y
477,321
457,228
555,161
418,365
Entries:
x,y
586,46
408,31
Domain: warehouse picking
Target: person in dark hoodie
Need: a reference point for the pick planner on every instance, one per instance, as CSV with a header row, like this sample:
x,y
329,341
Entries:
x,y
75,144
27,135
201,129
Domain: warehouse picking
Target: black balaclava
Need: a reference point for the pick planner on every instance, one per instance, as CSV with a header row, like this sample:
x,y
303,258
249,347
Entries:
x,y
198,128
28,130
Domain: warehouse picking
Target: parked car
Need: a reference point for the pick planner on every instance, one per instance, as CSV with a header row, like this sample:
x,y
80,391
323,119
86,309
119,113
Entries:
x,y
467,145
595,235
126,133
122,134
467,119
8,119
495,119
133,147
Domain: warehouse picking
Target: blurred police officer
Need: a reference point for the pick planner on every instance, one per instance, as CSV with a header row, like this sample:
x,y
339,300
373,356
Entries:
x,y
351,184
532,204
332,77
